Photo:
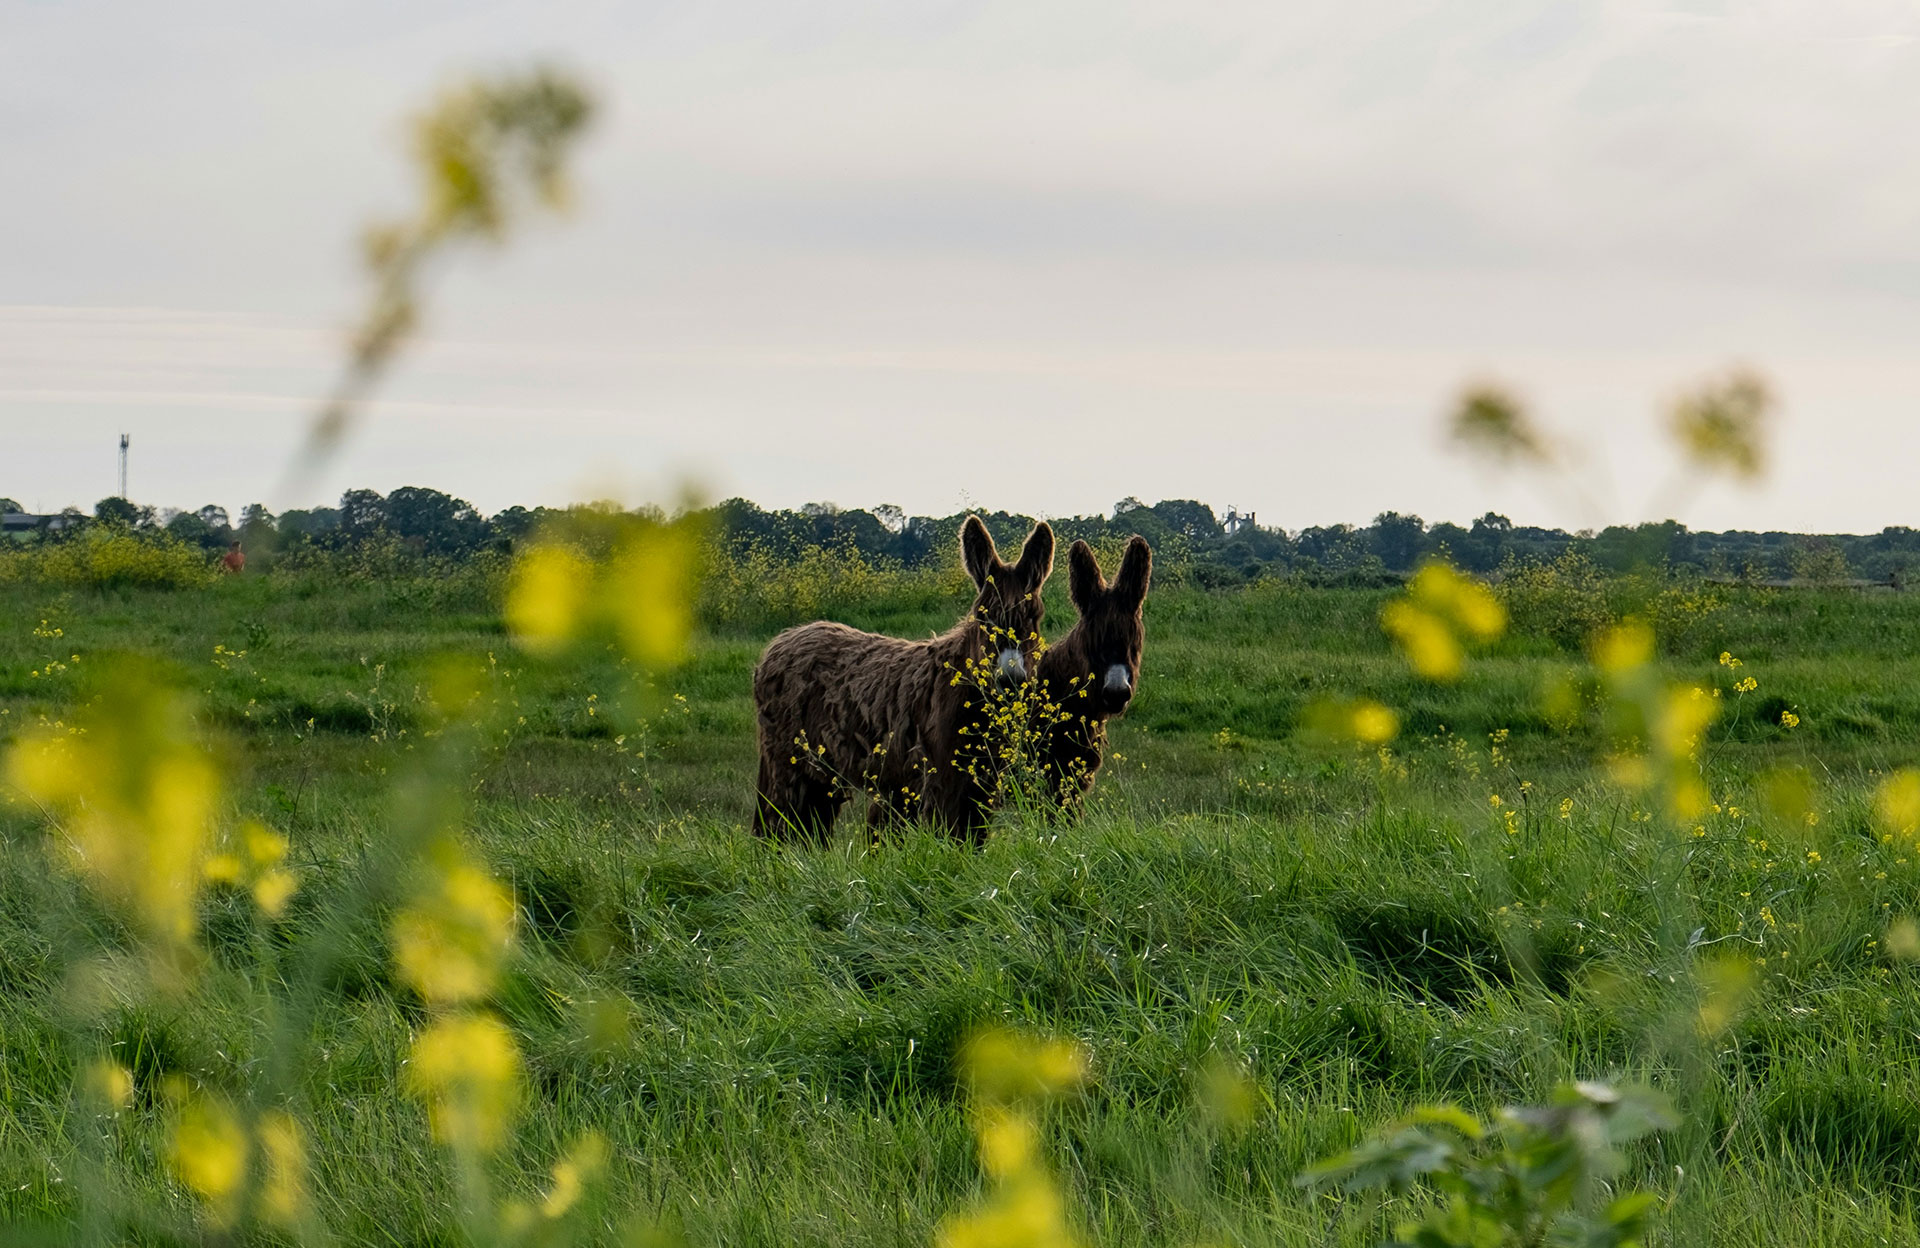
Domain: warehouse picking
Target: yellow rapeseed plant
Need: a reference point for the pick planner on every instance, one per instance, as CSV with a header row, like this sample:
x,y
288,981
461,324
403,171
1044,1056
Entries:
x,y
650,592
1008,1074
136,796
547,596
1441,611
283,1189
256,866
209,1152
107,1085
450,941
467,1069
1896,805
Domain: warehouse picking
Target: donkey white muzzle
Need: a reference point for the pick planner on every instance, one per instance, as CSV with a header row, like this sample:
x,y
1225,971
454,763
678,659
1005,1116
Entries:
x,y
1119,680
1011,666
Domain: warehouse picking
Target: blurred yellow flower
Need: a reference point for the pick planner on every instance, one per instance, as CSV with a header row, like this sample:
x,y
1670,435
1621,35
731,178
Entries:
x,y
1441,607
547,597
450,942
1725,984
107,1084
1623,648
1027,1213
1903,940
137,798
1005,1066
1897,803
257,868
283,1189
209,1153
1425,639
467,1069
651,592
1374,724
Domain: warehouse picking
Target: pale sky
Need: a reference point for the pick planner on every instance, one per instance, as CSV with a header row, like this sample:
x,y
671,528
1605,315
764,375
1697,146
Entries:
x,y
1027,255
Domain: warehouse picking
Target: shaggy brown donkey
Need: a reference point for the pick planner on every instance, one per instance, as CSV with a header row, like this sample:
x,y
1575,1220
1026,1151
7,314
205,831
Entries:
x,y
842,710
1091,674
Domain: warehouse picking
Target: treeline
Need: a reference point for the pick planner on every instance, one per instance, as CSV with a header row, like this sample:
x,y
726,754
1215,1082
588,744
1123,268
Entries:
x,y
1211,549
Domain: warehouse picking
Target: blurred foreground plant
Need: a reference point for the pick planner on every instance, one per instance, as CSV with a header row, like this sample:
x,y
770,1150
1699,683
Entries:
x,y
486,152
1010,1077
1535,1175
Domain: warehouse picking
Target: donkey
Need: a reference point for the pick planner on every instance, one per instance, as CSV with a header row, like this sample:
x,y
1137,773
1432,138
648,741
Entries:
x,y
1092,673
840,710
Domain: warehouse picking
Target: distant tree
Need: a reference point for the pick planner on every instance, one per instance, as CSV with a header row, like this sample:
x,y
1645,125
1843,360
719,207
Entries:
x,y
1335,547
1125,505
1189,519
257,528
362,514
117,510
214,517
300,524
891,516
1819,561
8,507
189,527
1398,540
514,523
917,541
439,524
1622,549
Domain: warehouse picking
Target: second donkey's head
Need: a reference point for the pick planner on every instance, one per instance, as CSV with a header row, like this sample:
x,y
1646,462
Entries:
x,y
1103,650
1007,601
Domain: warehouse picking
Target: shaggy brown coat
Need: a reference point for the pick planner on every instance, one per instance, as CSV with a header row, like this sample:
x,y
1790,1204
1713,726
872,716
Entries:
x,y
1078,674
840,710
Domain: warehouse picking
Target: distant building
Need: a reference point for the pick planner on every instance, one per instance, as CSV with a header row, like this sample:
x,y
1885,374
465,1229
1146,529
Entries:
x,y
1235,522
21,525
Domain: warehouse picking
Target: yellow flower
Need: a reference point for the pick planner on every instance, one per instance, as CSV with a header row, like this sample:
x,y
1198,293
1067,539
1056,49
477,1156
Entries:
x,y
108,1085
651,590
1789,720
1624,647
571,1174
1897,803
209,1153
283,1190
138,799
450,942
1004,1066
1428,643
547,597
467,1069
1374,724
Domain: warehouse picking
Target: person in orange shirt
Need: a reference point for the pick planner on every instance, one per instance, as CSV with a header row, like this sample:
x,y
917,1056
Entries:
x,y
234,561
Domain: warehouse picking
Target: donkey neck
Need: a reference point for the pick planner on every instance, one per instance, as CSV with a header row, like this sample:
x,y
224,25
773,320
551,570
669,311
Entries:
x,y
967,639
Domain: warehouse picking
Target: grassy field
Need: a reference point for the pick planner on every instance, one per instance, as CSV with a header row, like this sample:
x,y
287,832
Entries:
x,y
768,1037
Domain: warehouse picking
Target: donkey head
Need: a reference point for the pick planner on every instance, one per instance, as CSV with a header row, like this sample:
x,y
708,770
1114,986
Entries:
x,y
1111,630
1008,602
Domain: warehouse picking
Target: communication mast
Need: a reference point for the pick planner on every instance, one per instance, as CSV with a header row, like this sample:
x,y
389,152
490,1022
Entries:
x,y
124,439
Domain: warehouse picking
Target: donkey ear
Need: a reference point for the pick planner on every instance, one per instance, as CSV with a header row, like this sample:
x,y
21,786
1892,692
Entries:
x,y
1036,558
1136,572
977,552
1084,582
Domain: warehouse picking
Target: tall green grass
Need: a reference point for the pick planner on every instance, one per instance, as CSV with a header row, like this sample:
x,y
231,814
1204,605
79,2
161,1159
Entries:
x,y
768,1037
